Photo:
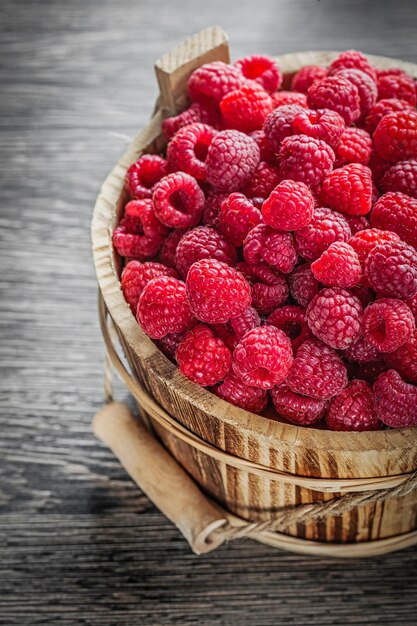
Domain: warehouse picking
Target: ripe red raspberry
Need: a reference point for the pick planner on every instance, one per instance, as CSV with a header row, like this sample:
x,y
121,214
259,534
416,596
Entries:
x,y
178,201
352,59
391,269
412,304
187,150
265,178
303,285
366,87
197,112
291,319
278,124
335,317
283,98
325,228
233,390
355,146
139,234
231,160
306,76
338,266
263,357
169,247
262,69
245,109
212,206
317,371
361,351
209,83
216,292
398,85
168,345
163,307
397,212
348,189
395,400
395,137
402,176
404,359
353,409
382,108
263,243
388,324
136,276
305,159
357,223
232,331
338,94
378,167
323,124
199,243
142,176
237,217
266,151
289,207
269,288
295,408
202,357
365,240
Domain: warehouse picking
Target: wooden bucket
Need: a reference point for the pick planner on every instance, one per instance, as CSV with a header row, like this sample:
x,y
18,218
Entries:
x,y
252,466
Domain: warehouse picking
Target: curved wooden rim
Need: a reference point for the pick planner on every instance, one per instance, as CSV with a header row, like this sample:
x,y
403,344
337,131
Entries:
x,y
104,220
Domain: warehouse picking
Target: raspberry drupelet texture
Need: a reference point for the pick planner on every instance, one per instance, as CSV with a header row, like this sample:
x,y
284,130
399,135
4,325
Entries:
x,y
278,124
348,189
178,200
169,247
269,288
366,87
237,217
387,324
395,137
391,269
139,234
212,206
365,240
232,331
291,319
352,59
265,178
295,408
266,151
303,284
353,409
335,317
142,176
168,345
245,109
187,150
305,159
317,371
367,371
306,76
378,167
404,359
357,223
202,242
263,357
262,69
234,390
325,228
361,351
282,98
276,248
231,160
338,266
216,292
323,124
402,177
290,206
412,304
382,108
163,307
202,357
196,112
395,400
355,146
338,94
209,83
135,277
399,85
397,212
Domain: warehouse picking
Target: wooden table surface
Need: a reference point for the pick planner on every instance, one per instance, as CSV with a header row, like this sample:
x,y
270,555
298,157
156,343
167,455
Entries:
x,y
79,544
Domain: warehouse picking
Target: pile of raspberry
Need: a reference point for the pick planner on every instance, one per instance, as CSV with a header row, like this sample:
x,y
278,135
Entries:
x,y
271,250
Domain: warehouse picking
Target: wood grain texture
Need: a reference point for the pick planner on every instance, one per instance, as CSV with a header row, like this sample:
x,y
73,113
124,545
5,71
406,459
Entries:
x,y
79,544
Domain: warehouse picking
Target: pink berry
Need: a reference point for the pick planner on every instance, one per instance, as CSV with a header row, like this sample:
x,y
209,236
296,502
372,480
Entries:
x,y
399,85
163,307
404,359
178,201
263,243
382,108
209,83
265,178
391,269
396,212
352,59
395,400
269,288
303,284
295,408
338,266
237,217
199,243
139,234
231,160
196,112
322,124
305,159
348,189
355,146
234,390
262,69
278,124
142,176
283,98
291,319
187,150
338,94
289,207
325,228
202,357
361,351
366,87
136,276
335,317
306,76
395,137
353,409
402,177
246,108
388,324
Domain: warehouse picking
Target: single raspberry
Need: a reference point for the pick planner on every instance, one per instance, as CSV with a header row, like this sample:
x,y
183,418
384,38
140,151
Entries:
x,y
163,307
187,150
237,217
295,408
365,240
266,151
265,178
357,223
209,83
388,324
263,243
367,371
289,207
169,247
317,371
142,176
291,319
412,304
136,276
348,189
231,160
404,359
212,206
306,76
366,87
303,285
353,409
395,137
395,400
168,345
216,292
361,351
233,390
269,288
399,86
199,243
178,201
139,234
197,112
283,98
263,357
245,109
352,59
355,146
278,124
378,167
338,94
402,176
391,269
397,212
262,69
335,317
202,357
323,124
305,159
325,228
338,266
382,108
